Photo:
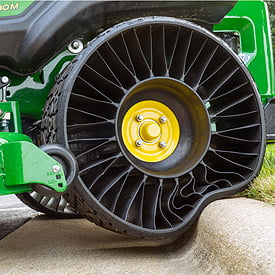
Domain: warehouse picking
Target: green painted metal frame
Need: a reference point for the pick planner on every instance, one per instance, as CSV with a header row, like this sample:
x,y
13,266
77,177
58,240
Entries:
x,y
21,162
31,91
250,20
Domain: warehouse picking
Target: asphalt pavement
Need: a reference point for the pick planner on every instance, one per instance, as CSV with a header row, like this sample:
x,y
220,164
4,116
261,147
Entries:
x,y
13,214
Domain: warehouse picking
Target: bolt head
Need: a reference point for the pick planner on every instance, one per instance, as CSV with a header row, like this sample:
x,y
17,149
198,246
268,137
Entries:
x,y
139,118
163,119
5,80
56,168
139,143
75,44
162,144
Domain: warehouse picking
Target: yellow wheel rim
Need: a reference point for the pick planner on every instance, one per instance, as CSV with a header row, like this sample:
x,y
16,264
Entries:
x,y
150,131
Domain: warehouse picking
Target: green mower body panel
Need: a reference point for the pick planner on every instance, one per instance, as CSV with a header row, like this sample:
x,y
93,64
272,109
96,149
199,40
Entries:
x,y
250,20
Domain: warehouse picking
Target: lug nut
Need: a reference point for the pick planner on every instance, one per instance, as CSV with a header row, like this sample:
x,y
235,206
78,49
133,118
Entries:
x,y
163,119
139,143
139,117
56,168
162,144
5,80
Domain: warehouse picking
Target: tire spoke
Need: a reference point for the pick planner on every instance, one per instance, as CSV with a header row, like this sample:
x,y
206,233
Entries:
x,y
221,109
117,67
94,89
95,163
117,195
128,194
150,201
84,113
103,78
109,181
138,59
205,66
195,58
159,65
224,80
178,62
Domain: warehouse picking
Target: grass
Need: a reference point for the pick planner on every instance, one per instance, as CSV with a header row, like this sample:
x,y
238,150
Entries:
x,y
263,187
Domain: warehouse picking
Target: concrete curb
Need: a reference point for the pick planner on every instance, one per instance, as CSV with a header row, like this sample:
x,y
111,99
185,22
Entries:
x,y
232,236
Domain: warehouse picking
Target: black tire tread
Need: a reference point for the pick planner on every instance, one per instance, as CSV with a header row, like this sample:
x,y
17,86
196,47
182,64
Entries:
x,y
48,135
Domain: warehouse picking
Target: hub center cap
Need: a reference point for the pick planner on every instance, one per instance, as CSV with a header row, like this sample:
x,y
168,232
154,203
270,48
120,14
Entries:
x,y
150,131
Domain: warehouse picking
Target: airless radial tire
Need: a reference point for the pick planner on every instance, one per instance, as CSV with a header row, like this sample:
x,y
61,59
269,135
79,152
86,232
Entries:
x,y
163,118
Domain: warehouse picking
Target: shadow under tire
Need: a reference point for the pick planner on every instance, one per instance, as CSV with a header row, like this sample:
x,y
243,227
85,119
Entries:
x,y
163,118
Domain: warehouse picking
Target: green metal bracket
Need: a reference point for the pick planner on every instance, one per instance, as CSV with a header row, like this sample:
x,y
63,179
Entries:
x,y
21,162
251,21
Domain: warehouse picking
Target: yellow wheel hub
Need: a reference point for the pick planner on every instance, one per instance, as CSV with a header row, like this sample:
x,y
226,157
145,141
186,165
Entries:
x,y
150,131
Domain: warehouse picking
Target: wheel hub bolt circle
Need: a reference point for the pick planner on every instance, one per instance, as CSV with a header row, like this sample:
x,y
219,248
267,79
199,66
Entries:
x,y
56,169
139,143
163,119
162,144
139,117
